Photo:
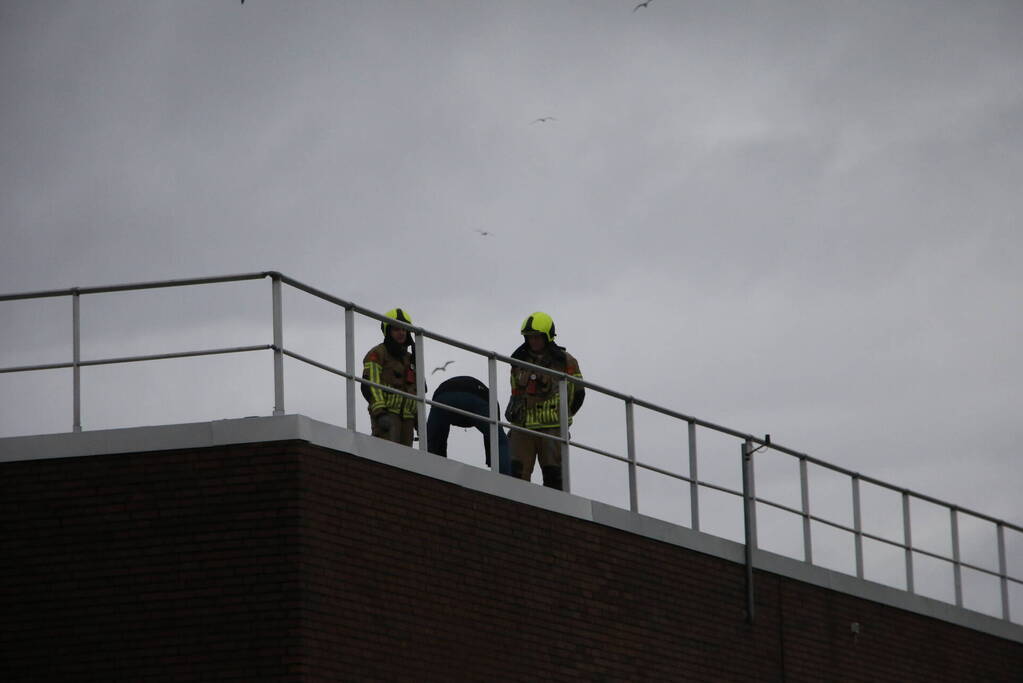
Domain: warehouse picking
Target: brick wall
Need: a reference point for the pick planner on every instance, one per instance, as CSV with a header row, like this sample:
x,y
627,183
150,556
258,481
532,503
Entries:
x,y
292,562
162,565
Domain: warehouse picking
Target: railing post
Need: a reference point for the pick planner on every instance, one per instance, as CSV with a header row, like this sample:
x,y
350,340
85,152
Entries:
x,y
76,358
495,443
1003,573
630,444
421,392
907,539
804,490
749,521
957,569
753,496
563,418
694,486
350,366
857,525
278,332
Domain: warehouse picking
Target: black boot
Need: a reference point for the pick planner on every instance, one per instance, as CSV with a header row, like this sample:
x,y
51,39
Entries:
x,y
552,476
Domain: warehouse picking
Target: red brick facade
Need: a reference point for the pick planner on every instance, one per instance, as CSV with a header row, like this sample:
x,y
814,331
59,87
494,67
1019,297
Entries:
x,y
287,561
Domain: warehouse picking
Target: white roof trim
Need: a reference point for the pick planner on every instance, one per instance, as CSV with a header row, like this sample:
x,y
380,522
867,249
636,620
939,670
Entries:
x,y
299,427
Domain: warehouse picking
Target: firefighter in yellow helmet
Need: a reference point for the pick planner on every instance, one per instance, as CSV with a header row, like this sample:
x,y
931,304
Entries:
x,y
392,364
535,403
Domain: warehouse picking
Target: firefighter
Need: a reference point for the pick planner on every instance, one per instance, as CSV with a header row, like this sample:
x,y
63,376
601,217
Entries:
x,y
535,402
392,364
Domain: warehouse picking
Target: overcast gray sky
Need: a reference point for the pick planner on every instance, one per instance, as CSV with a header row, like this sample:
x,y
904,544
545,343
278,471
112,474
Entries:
x,y
800,218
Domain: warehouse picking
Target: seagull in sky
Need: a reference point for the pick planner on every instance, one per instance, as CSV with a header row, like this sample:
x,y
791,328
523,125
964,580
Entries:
x,y
484,233
442,368
542,119
642,4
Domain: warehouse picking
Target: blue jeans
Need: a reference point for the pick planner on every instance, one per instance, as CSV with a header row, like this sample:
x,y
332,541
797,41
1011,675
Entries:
x,y
438,425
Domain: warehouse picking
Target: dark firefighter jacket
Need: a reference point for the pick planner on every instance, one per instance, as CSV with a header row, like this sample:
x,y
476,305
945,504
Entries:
x,y
391,367
538,391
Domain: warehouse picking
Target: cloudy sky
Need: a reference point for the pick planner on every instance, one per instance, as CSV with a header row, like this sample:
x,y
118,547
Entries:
x,y
796,218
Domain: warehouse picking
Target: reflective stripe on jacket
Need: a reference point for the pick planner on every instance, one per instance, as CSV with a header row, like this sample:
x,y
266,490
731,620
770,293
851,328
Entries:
x,y
381,367
539,390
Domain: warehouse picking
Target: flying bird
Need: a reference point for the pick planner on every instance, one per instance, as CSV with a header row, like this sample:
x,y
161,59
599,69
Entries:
x,y
542,119
484,233
642,4
442,368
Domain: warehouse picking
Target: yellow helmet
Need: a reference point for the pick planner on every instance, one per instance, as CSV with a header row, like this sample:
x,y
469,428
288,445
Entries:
x,y
539,323
396,314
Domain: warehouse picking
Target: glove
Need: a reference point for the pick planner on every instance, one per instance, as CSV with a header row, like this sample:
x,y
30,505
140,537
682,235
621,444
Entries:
x,y
516,410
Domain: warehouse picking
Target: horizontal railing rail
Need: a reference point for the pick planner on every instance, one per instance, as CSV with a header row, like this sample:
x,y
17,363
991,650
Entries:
x,y
749,444
154,284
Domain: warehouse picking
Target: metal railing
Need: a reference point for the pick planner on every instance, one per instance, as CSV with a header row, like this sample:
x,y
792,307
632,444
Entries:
x,y
748,444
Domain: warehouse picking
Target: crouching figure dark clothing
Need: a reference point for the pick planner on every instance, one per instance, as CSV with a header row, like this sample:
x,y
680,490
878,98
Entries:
x,y
468,394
